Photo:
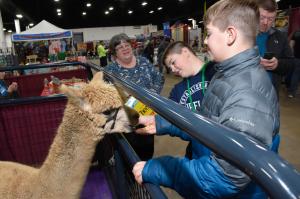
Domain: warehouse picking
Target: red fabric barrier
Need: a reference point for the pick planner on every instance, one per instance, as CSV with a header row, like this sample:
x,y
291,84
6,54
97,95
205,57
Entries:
x,y
32,85
27,130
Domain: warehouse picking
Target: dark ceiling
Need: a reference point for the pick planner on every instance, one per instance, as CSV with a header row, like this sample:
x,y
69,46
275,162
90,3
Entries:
x,y
34,11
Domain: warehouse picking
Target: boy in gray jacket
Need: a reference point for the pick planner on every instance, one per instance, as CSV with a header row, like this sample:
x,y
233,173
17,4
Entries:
x,y
240,96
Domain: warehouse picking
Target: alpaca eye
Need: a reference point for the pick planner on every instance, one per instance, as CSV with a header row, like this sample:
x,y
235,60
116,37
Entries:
x,y
107,112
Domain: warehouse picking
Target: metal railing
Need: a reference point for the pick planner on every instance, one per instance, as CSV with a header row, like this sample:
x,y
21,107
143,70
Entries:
x,y
275,175
50,65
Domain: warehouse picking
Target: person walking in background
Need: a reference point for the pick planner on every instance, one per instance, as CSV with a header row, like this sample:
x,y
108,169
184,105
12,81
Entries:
x,y
277,56
161,48
195,44
295,76
149,50
102,54
140,71
295,43
240,96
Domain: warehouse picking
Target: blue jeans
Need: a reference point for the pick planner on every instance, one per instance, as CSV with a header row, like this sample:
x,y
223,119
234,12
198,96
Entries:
x,y
295,78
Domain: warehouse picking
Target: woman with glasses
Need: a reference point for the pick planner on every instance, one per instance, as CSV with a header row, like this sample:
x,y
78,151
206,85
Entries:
x,y
140,71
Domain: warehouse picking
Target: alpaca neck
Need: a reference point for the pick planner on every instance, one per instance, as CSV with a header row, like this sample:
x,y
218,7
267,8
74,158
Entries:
x,y
70,154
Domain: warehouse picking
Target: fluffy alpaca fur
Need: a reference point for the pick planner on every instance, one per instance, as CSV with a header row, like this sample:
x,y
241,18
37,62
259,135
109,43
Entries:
x,y
64,171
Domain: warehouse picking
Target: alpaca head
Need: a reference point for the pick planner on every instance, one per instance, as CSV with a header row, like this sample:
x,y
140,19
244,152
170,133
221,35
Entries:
x,y
101,98
97,96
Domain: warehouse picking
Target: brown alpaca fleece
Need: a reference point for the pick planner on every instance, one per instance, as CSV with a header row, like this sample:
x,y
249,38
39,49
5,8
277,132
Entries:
x,y
64,171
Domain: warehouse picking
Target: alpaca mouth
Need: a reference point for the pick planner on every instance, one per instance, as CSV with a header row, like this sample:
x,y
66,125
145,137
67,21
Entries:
x,y
137,126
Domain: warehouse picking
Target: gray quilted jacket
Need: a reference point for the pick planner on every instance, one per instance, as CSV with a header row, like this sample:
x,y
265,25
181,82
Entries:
x,y
241,96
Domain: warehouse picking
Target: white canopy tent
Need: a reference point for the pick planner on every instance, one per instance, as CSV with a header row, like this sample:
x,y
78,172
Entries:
x,y
42,31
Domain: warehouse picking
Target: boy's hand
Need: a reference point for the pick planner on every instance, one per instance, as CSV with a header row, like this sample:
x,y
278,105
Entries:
x,y
269,64
137,171
12,87
149,123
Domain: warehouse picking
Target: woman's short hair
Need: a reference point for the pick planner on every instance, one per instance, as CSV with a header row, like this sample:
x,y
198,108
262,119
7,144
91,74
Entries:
x,y
116,40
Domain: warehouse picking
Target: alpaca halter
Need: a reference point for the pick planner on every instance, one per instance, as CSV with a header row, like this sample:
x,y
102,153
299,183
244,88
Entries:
x,y
113,117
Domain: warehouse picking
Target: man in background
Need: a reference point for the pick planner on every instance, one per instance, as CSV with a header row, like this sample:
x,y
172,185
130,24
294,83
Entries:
x,y
273,42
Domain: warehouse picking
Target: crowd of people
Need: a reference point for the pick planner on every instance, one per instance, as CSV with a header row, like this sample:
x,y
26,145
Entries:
x,y
238,88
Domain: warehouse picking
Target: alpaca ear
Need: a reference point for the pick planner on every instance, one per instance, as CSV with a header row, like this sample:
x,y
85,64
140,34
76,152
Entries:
x,y
73,95
97,77
69,92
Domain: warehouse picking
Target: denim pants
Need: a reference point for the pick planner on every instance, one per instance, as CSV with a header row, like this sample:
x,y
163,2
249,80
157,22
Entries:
x,y
295,78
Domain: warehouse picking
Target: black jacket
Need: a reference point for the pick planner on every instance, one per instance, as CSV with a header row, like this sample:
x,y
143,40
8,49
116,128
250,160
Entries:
x,y
278,44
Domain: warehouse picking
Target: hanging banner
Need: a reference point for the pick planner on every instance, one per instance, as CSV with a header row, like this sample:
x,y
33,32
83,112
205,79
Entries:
x,y
166,28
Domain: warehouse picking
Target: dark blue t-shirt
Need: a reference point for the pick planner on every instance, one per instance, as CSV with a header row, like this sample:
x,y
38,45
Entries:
x,y
180,93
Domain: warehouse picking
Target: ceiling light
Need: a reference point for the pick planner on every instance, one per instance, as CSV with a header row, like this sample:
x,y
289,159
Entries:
x,y
9,31
111,8
180,0
83,13
31,24
19,16
59,13
106,12
56,0
190,19
144,3
58,10
88,5
4,29
151,11
159,8
130,11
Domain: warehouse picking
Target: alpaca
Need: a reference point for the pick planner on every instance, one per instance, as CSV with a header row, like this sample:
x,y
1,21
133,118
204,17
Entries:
x,y
63,173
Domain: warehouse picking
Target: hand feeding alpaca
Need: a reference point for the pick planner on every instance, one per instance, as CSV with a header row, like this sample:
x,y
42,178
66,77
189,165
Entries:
x,y
64,171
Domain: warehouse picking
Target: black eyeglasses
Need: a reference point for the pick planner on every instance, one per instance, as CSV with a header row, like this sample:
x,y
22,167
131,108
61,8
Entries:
x,y
122,46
